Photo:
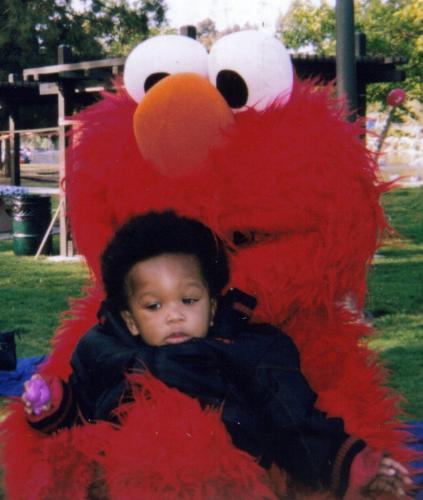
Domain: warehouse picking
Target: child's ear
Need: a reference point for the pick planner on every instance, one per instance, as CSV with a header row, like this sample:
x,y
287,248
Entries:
x,y
130,322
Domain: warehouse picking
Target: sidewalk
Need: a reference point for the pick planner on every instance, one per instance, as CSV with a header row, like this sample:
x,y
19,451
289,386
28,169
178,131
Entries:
x,y
4,235
8,235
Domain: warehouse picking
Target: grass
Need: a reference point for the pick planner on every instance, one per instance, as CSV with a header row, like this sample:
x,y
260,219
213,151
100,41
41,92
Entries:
x,y
34,293
396,297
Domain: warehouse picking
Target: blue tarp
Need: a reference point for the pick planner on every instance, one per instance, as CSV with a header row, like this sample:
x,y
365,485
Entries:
x,y
417,430
11,382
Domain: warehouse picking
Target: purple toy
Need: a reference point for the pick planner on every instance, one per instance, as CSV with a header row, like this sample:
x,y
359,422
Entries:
x,y
37,393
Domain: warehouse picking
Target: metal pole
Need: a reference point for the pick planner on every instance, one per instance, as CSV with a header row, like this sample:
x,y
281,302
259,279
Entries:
x,y
360,52
346,71
188,30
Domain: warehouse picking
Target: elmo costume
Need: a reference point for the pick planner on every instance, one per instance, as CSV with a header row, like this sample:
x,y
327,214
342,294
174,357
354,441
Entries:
x,y
268,163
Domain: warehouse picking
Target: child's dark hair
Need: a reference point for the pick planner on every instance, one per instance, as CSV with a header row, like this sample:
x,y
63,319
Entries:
x,y
156,233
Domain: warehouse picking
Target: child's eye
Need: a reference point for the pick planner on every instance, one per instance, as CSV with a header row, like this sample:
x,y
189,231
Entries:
x,y
189,300
153,306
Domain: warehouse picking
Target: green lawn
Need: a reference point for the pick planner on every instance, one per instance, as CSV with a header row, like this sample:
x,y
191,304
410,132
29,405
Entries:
x,y
34,293
396,297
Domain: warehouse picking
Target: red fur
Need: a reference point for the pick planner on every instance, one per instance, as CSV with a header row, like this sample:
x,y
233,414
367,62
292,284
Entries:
x,y
81,317
40,466
298,173
167,461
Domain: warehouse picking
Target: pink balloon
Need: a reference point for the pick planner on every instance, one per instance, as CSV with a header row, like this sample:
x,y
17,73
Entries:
x,y
396,97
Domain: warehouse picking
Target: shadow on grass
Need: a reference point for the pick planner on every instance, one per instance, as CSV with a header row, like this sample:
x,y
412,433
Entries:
x,y
404,207
399,252
7,245
406,364
395,287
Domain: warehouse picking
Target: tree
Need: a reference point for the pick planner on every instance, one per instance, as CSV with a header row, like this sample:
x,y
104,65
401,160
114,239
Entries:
x,y
31,30
206,32
394,28
307,26
118,26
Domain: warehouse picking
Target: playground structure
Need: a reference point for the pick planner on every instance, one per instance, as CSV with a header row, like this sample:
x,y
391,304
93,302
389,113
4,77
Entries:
x,y
71,86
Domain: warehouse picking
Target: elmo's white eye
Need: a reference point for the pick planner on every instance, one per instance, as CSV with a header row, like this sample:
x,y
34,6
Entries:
x,y
159,57
250,69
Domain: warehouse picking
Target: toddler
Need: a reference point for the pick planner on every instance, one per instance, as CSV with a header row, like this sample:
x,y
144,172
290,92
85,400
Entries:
x,y
164,311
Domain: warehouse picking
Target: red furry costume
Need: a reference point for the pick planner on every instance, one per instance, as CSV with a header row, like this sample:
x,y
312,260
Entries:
x,y
298,183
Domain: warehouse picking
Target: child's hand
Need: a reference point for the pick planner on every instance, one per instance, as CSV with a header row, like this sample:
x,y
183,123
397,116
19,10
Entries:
x,y
391,477
37,396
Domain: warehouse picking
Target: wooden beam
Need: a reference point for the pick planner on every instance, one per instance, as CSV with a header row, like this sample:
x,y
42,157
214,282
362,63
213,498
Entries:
x,y
70,67
31,130
15,144
64,109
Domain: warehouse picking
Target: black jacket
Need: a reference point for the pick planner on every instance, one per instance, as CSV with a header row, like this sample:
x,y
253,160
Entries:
x,y
253,370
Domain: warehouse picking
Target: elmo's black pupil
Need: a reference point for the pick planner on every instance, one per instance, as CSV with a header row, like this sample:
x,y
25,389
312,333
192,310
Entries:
x,y
233,88
153,79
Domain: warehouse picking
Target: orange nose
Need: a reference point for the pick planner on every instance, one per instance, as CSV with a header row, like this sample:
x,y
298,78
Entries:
x,y
178,121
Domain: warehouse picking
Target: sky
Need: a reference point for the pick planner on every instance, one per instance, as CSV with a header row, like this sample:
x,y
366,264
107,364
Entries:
x,y
224,13
262,13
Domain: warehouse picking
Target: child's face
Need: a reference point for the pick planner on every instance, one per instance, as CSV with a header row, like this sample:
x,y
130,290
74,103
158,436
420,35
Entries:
x,y
168,300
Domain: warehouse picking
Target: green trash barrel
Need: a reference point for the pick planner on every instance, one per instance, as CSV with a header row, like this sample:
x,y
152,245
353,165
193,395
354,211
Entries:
x,y
31,216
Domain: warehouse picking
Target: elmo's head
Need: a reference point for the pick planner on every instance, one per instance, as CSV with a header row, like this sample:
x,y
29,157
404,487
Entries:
x,y
232,139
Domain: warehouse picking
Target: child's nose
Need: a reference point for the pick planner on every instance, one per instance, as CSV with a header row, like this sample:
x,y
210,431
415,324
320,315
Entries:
x,y
174,314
